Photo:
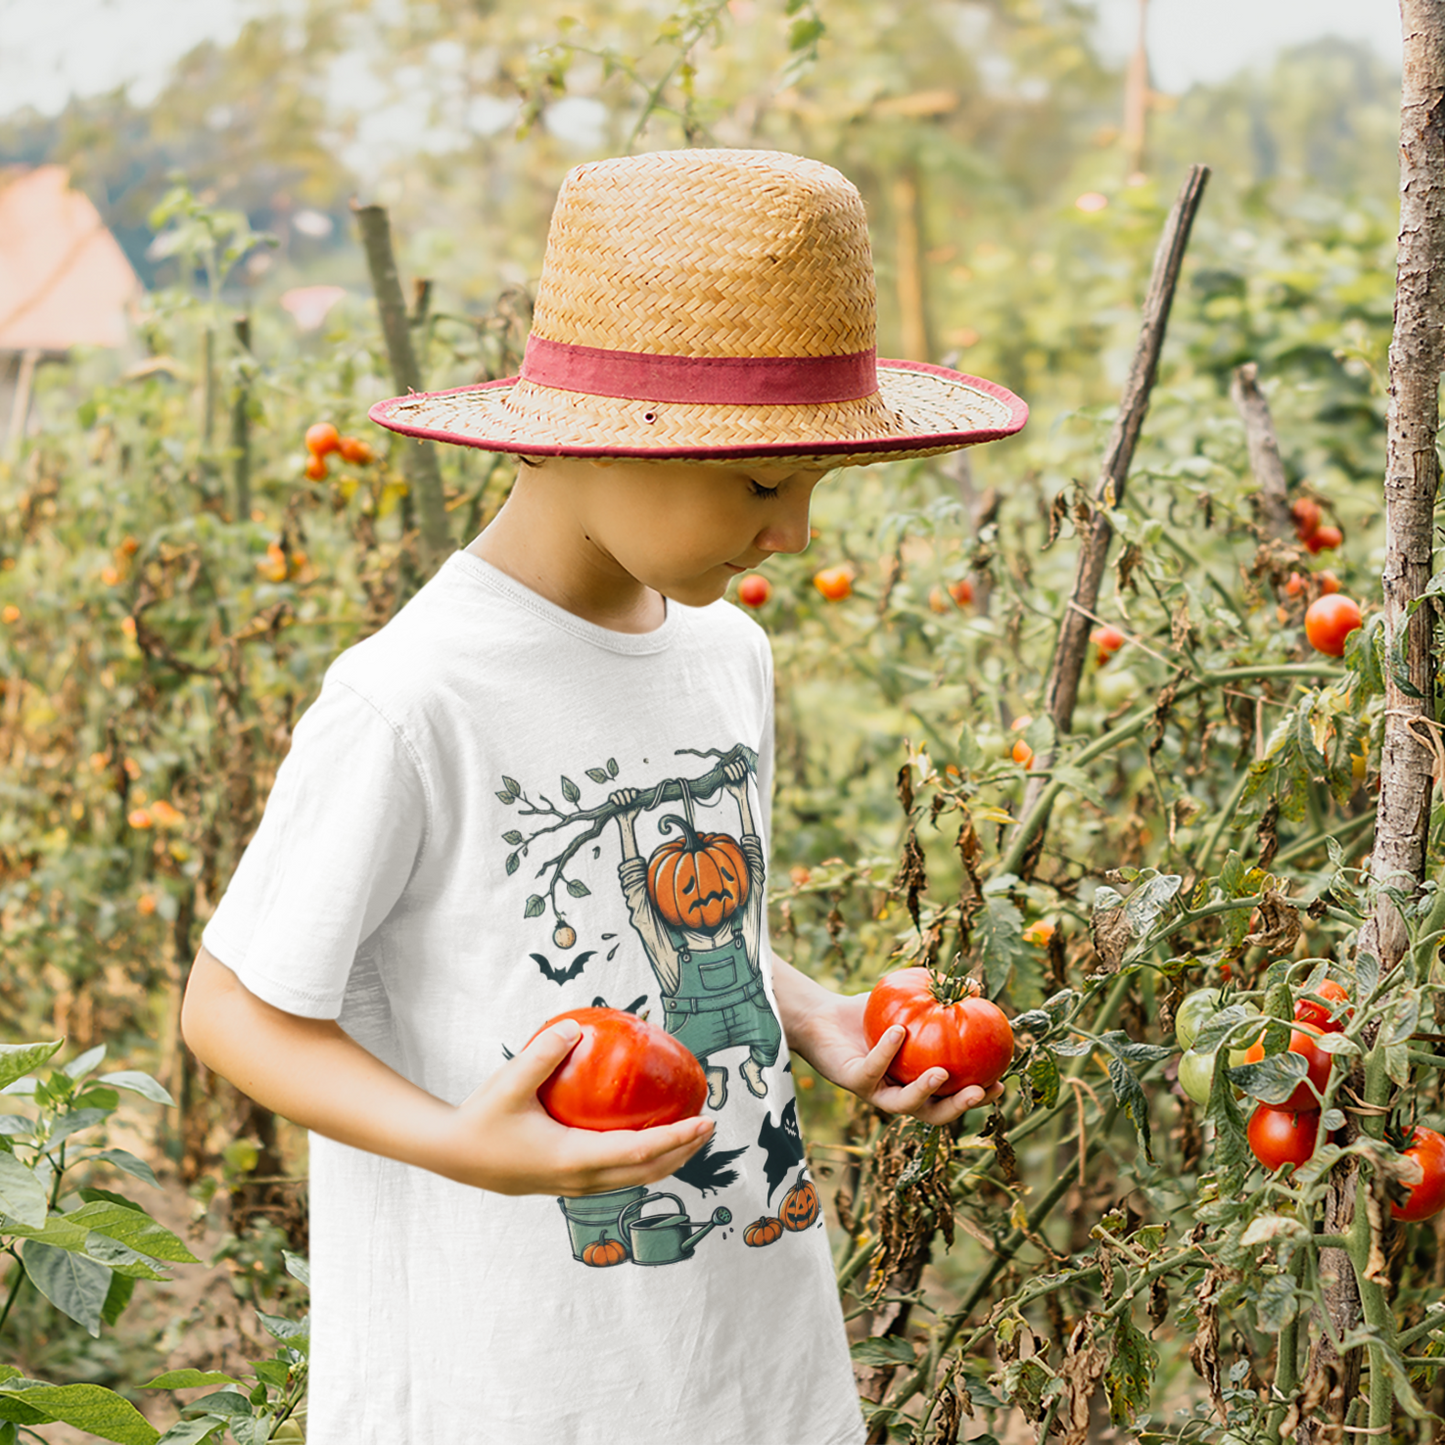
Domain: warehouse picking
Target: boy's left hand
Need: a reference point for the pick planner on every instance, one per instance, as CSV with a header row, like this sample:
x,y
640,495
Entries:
x,y
837,1048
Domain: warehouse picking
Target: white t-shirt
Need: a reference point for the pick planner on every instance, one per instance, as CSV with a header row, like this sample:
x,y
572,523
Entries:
x,y
450,857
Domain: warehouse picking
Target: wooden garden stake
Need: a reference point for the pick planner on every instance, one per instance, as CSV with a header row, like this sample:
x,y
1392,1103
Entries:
x,y
241,428
1417,357
422,471
1264,458
1062,690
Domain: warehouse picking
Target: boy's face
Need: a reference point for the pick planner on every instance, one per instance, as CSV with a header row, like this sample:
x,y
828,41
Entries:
x,y
685,529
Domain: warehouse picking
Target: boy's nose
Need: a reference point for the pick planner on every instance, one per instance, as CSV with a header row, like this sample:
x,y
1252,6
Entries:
x,y
789,530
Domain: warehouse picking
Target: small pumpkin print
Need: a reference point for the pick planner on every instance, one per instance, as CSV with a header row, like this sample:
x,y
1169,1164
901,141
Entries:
x,y
800,1205
699,880
604,1252
763,1231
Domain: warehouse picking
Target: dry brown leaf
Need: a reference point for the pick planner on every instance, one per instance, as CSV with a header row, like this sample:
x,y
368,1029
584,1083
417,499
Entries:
x,y
1083,1367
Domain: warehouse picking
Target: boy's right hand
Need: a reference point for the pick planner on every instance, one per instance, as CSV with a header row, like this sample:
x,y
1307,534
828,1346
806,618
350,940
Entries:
x,y
501,1138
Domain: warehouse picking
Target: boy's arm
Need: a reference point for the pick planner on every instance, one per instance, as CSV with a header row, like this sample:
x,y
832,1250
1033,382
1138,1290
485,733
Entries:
x,y
500,1138
826,1029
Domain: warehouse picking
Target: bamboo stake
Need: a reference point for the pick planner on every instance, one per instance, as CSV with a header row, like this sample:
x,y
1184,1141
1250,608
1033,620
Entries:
x,y
241,428
1062,690
1264,458
422,471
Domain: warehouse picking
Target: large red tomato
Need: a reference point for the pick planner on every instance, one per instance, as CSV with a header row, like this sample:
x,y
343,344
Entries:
x,y
1283,1136
1327,1020
1329,620
623,1073
970,1038
1301,1041
1427,1198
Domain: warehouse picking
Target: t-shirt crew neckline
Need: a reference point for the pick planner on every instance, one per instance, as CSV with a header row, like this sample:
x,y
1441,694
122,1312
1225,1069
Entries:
x,y
472,568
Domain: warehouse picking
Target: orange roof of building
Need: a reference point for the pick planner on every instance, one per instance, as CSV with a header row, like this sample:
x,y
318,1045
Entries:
x,y
64,281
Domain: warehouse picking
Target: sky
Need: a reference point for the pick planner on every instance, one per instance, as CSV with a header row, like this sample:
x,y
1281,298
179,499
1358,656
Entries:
x,y
51,49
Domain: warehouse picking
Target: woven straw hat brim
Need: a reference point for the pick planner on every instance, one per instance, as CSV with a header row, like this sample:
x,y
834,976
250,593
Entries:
x,y
918,410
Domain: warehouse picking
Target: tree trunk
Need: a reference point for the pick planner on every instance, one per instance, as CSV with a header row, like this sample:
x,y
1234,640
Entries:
x,y
1417,352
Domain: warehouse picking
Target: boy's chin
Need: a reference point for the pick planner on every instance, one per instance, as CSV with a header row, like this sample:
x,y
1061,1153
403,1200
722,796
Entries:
x,y
696,594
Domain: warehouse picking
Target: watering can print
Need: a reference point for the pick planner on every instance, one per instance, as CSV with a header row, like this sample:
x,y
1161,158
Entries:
x,y
665,1238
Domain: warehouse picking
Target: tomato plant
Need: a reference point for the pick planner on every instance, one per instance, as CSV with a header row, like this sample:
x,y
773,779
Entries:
x,y
623,1073
1283,1135
1427,1198
969,1036
1329,620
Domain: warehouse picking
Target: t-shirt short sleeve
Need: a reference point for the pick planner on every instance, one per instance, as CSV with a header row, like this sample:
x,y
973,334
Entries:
x,y
342,833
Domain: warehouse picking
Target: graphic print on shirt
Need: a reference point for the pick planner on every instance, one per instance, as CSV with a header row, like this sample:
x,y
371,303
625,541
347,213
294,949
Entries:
x,y
695,893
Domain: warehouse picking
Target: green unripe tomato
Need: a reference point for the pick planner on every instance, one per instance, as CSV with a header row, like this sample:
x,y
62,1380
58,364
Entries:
x,y
288,1430
1114,689
1196,1075
1196,1011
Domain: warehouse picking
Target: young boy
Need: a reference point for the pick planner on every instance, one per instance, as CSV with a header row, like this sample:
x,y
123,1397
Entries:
x,y
545,785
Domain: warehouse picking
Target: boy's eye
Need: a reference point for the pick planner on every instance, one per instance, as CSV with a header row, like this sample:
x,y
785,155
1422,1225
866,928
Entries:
x,y
759,490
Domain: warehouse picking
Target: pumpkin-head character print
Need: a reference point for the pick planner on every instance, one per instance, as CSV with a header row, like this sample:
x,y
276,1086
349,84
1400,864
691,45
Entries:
x,y
695,897
697,880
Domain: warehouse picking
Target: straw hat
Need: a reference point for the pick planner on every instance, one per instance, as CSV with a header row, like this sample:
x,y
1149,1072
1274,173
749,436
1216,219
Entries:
x,y
710,305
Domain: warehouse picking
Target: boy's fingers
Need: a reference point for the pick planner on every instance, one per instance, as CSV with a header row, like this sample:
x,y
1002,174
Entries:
x,y
536,1063
877,1059
625,1157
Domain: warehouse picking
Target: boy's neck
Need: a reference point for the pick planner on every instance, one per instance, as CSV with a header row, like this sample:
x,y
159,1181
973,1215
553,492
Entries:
x,y
538,543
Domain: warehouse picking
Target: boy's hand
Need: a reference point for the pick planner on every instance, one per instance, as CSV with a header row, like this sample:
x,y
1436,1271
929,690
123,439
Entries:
x,y
501,1138
837,1047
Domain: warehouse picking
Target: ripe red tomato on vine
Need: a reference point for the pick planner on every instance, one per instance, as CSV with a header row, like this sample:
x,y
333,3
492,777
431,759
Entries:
x,y
968,1036
835,583
623,1073
1329,620
1323,1017
1427,1198
1283,1136
1301,1041
1307,517
1323,539
322,439
1108,639
754,590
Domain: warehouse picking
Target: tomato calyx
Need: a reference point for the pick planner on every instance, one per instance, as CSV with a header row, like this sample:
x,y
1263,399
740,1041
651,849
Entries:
x,y
949,988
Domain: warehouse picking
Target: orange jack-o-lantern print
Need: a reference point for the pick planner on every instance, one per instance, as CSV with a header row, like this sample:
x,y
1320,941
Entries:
x,y
800,1205
698,880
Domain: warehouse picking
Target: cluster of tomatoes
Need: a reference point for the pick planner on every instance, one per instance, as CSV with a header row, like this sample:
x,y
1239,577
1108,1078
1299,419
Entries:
x,y
322,439
1285,1134
1310,526
836,584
